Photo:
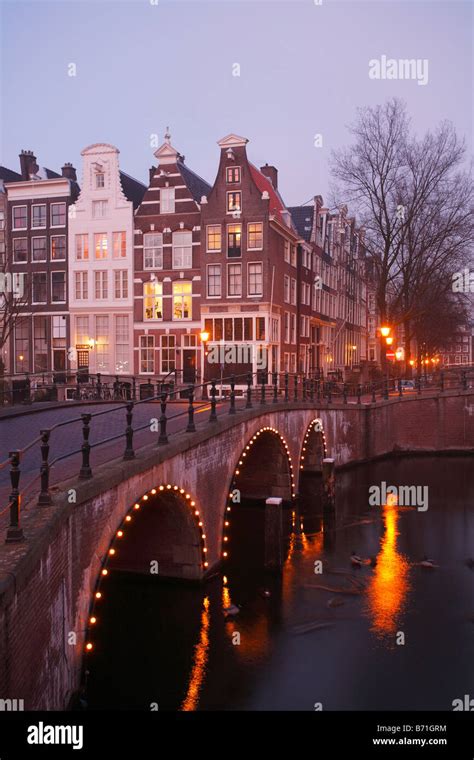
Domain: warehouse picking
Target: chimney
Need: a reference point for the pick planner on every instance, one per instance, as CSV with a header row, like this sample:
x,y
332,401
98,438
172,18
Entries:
x,y
151,172
28,165
272,173
69,172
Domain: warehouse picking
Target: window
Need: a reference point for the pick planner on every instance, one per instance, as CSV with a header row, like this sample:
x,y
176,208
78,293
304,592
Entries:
x,y
122,343
293,255
100,245
293,328
234,201
147,354
234,235
80,286
58,248
255,284
2,220
99,209
234,280
101,285
119,245
99,180
82,247
58,214
152,300
58,287
168,353
255,236
287,327
293,364
293,291
153,250
182,250
232,175
286,288
20,250
214,281
38,215
286,362
102,342
260,328
20,218
22,346
39,294
182,300
120,283
286,251
167,201
214,237
38,249
82,330
40,344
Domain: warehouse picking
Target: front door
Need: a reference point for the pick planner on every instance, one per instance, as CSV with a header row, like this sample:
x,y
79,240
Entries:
x,y
189,365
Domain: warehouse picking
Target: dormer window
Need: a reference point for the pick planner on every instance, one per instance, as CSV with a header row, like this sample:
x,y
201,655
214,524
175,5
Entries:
x,y
99,180
234,202
233,175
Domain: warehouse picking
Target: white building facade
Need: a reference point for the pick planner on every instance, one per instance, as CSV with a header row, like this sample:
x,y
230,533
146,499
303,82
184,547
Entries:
x,y
101,265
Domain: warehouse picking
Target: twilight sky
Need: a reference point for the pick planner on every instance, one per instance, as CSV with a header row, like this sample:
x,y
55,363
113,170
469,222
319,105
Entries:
x,y
304,69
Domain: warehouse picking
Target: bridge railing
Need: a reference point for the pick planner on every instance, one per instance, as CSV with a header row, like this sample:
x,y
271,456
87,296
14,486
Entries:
x,y
260,388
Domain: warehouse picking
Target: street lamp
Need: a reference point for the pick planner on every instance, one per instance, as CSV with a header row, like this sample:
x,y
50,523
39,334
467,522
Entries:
x,y
204,335
384,331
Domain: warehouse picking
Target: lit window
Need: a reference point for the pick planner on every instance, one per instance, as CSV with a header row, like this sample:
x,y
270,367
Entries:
x,y
182,250
100,245
58,248
39,216
152,300
182,300
58,214
234,280
232,175
234,201
234,242
255,235
167,201
214,237
82,247
153,251
119,245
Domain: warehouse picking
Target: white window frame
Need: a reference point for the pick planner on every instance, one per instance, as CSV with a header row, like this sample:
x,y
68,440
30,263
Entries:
x,y
51,247
103,206
13,250
146,348
186,251
249,264
13,217
102,235
39,261
121,277
157,250
167,204
233,264
57,226
213,250
233,210
218,266
40,226
123,235
250,247
59,271
33,289
82,236
81,285
101,278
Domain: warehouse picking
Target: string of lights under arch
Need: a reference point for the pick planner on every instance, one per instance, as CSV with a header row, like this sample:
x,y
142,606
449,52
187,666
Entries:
x,y
234,486
317,421
98,595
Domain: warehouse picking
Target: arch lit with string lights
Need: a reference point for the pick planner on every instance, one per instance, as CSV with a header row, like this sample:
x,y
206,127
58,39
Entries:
x,y
113,551
308,454
239,477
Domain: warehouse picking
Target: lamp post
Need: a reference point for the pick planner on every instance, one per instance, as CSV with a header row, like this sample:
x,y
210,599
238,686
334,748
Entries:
x,y
204,335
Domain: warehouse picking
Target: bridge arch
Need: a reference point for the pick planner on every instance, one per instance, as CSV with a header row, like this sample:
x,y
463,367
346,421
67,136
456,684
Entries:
x,y
179,508
314,447
249,480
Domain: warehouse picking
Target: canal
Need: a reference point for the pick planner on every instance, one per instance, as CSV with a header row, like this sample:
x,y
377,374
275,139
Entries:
x,y
396,636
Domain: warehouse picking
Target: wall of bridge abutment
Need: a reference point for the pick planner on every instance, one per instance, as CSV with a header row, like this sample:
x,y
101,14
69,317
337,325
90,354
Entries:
x,y
48,583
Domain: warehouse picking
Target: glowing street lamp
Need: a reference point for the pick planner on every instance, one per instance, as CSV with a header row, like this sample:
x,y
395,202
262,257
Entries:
x,y
204,335
385,330
389,340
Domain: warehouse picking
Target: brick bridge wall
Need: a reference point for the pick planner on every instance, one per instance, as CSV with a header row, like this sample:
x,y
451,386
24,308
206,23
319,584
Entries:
x,y
46,583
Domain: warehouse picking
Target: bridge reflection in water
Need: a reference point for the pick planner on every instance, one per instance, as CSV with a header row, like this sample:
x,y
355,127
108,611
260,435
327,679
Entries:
x,y
180,650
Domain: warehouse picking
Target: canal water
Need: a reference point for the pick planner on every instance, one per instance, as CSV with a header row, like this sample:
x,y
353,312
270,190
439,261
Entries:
x,y
395,636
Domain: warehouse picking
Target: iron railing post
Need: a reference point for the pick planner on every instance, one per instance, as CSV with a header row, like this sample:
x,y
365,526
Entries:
x,y
275,387
374,399
44,498
213,415
99,386
344,393
163,437
191,428
295,389
85,471
464,380
134,389
262,396
441,380
232,395
129,452
359,393
248,405
287,397
15,531
400,389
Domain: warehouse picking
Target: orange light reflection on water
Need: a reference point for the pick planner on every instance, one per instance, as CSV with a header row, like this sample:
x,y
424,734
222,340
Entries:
x,y
388,589
201,650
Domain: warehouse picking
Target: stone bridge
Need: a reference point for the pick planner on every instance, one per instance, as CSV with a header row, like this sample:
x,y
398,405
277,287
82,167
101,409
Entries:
x,y
170,510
